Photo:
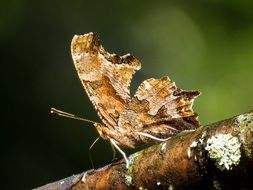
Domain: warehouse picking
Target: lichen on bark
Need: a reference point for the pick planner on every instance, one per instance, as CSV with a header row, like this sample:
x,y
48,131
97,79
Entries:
x,y
224,149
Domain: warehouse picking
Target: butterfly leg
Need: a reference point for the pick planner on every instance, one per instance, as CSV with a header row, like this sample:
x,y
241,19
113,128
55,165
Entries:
x,y
91,146
114,143
151,136
113,151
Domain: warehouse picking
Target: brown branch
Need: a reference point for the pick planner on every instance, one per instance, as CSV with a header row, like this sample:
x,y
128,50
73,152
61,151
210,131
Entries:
x,y
216,156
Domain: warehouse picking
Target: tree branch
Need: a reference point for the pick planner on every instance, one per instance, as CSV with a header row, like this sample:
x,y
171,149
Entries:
x,y
216,156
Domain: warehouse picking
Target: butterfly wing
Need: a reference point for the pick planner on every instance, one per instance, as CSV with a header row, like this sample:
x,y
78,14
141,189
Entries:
x,y
160,108
106,77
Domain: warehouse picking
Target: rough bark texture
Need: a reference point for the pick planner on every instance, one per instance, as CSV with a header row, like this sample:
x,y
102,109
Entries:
x,y
215,156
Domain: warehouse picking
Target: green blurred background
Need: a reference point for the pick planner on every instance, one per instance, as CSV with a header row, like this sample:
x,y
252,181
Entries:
x,y
204,45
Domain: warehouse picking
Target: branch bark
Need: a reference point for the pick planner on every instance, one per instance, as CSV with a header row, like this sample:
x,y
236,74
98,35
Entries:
x,y
215,156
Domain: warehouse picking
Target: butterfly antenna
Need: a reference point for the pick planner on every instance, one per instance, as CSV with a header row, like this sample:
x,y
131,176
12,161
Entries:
x,y
69,115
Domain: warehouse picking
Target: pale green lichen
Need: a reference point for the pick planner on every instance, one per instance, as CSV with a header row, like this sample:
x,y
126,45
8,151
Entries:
x,y
128,180
170,187
84,177
225,150
163,147
129,173
216,185
194,144
245,130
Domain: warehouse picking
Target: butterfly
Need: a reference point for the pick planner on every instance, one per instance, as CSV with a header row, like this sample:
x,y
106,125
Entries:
x,y
157,111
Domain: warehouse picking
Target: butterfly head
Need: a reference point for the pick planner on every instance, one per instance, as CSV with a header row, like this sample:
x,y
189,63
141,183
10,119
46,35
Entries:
x,y
100,130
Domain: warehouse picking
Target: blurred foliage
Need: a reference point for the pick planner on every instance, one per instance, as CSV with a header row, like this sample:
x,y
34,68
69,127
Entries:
x,y
205,45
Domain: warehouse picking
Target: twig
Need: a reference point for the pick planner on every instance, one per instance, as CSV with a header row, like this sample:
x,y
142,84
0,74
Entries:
x,y
216,156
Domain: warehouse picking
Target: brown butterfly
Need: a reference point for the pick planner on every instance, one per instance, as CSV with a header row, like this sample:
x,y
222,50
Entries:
x,y
157,111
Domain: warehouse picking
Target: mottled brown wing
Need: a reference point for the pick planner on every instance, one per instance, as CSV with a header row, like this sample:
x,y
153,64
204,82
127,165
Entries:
x,y
105,77
160,108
